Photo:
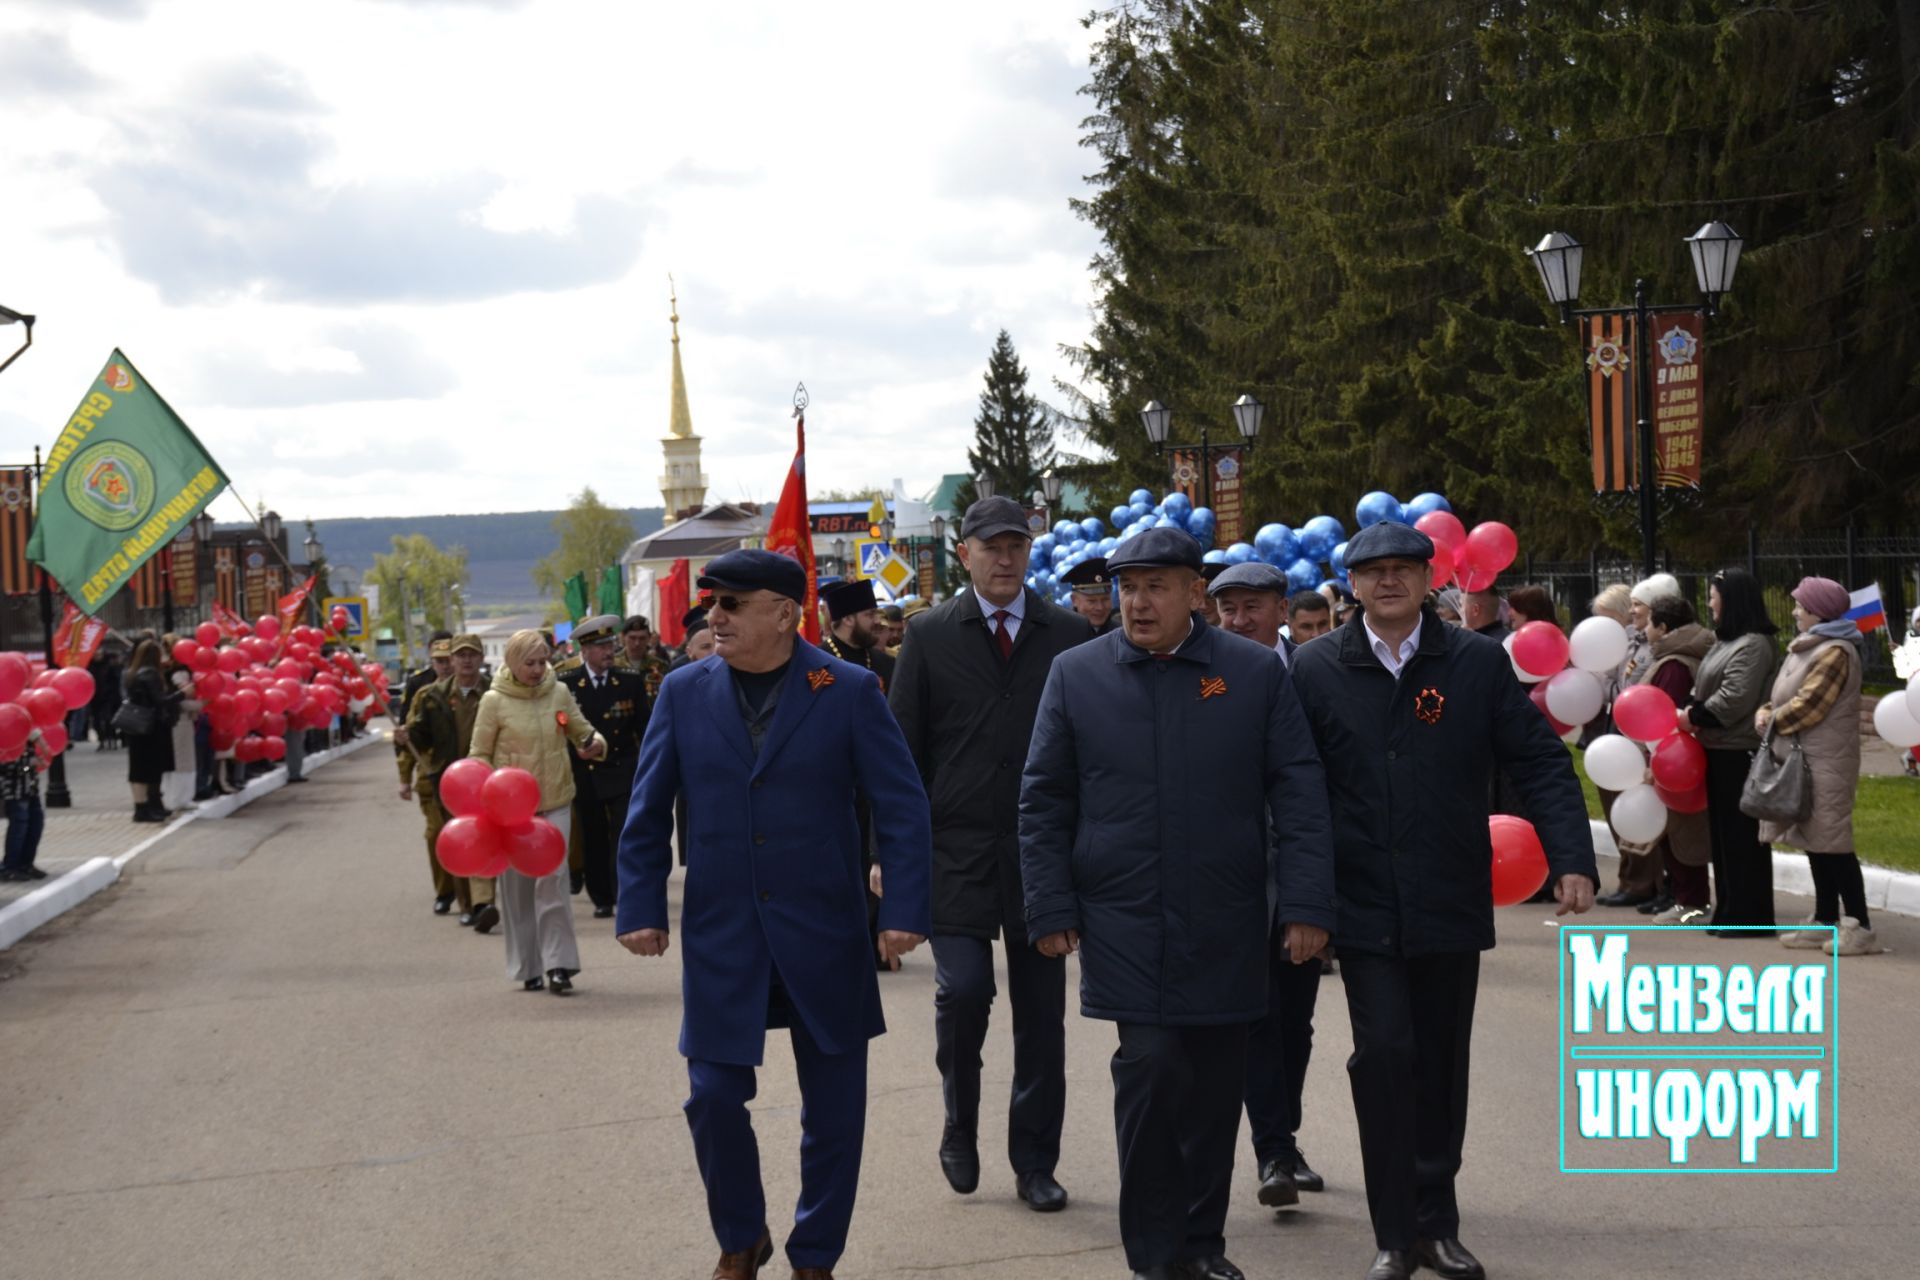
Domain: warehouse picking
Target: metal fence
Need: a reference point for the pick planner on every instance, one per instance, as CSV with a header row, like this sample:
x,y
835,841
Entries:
x,y
1778,561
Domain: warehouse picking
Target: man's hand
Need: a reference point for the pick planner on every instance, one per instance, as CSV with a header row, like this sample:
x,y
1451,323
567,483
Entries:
x,y
1064,943
873,881
645,942
1304,942
1574,893
406,791
893,944
400,735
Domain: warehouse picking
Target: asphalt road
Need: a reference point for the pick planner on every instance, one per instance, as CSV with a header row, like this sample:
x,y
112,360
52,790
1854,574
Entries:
x,y
261,1056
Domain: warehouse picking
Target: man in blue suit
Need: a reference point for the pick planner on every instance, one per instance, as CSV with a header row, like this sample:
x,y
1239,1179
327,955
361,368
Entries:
x,y
773,743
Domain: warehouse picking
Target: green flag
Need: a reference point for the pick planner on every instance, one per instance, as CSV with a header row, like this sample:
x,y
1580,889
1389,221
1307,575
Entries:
x,y
122,481
613,597
576,593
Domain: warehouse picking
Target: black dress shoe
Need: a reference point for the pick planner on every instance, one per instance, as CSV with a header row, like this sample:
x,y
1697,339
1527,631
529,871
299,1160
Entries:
x,y
1214,1268
1654,906
32,873
485,916
9,876
466,919
559,982
1041,1192
960,1160
1391,1264
1277,1189
443,905
1449,1259
534,984
602,913
1157,1273
1304,1177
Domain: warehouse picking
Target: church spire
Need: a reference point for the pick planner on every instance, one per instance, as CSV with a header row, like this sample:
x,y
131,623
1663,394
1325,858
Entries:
x,y
683,486
680,417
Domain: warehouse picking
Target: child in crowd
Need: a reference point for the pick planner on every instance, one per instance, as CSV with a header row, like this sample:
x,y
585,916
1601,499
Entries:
x,y
20,791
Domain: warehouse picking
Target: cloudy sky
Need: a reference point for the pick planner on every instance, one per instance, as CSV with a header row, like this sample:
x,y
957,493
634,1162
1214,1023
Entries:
x,y
410,256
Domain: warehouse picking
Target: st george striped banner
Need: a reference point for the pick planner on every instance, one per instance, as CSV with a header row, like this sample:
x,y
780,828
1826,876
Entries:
x,y
226,578
18,577
149,580
1610,373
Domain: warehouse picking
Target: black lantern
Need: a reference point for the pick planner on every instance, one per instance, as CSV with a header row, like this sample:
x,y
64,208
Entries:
x,y
1716,254
1157,419
1247,413
983,485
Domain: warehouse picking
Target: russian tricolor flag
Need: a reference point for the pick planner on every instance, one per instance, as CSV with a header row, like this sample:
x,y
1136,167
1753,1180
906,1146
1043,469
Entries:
x,y
1868,612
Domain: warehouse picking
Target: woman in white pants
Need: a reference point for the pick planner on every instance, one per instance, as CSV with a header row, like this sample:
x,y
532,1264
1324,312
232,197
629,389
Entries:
x,y
526,721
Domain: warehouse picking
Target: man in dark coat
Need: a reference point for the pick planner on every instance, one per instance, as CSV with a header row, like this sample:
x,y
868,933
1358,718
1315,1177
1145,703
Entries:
x,y
1159,753
853,630
614,701
771,740
965,693
1412,717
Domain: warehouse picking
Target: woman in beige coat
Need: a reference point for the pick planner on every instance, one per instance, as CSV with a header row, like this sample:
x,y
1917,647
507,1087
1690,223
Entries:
x,y
1816,702
525,721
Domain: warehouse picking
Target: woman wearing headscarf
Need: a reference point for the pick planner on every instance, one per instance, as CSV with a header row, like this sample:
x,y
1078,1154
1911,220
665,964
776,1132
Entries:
x,y
149,751
525,721
1732,682
1816,702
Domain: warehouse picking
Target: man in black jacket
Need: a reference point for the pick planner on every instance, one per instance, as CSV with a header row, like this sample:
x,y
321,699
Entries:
x,y
1412,717
614,701
965,692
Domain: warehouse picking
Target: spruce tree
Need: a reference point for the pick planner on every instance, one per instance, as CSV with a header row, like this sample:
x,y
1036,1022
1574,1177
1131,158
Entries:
x,y
1013,432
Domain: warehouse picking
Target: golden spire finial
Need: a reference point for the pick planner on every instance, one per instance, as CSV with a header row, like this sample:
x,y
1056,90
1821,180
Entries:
x,y
673,297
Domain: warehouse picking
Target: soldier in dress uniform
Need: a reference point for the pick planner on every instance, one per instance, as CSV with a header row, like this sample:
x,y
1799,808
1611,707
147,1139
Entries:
x,y
439,730
439,667
854,625
614,702
1093,594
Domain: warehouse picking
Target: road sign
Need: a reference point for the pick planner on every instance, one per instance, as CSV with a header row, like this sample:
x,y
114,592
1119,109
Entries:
x,y
868,555
893,573
356,607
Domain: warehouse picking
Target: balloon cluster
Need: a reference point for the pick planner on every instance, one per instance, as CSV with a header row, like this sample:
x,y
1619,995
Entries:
x,y
1896,717
1072,542
36,697
1648,742
257,689
494,824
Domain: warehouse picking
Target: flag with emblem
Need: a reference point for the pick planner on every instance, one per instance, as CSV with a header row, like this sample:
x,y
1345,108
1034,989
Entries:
x,y
791,534
121,481
17,576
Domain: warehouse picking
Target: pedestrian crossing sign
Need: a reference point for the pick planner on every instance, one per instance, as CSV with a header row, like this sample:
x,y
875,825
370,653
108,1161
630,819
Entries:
x,y
869,555
356,607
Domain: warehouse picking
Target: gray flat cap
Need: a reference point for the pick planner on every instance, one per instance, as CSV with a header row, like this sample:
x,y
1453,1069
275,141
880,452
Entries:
x,y
1156,549
1250,576
1384,540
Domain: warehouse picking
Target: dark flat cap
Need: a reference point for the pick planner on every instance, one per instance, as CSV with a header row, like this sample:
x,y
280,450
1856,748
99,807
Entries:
x,y
1092,576
1212,569
755,571
1250,576
692,616
991,516
1157,549
844,599
593,630
1387,539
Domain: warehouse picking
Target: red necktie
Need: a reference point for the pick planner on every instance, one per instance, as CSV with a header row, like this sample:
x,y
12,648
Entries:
x,y
1002,638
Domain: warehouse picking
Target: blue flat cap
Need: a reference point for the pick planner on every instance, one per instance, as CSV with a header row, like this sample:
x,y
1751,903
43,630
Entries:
x,y
991,517
1156,549
755,571
1249,576
1386,539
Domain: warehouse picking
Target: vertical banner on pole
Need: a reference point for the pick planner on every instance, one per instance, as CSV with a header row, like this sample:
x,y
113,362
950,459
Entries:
x,y
1227,466
226,579
146,583
18,576
185,581
1679,419
254,577
1186,474
1609,343
923,561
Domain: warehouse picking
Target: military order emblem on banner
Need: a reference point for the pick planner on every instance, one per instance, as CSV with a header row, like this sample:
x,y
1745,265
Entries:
x,y
123,479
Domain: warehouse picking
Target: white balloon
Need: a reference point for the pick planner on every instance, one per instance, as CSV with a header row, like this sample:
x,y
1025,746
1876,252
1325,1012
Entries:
x,y
1575,697
1614,763
1639,815
1894,723
1597,645
1913,698
1526,676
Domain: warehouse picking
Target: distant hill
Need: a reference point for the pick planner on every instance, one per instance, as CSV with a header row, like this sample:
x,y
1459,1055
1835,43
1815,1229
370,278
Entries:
x,y
502,547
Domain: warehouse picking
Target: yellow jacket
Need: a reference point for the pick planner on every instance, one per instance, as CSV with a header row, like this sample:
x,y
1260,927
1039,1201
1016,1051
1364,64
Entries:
x,y
528,728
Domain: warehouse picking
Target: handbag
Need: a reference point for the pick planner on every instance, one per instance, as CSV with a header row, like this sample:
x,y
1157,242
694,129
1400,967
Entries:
x,y
1778,790
133,720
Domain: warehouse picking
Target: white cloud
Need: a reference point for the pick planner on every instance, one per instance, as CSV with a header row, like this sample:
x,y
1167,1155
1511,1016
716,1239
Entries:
x,y
393,257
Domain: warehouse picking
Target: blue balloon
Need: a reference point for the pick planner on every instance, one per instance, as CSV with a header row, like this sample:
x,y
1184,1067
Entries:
x,y
1166,522
1202,515
1214,557
1045,542
1303,575
1319,536
1238,553
1140,498
1131,531
1426,504
1376,507
1178,505
1337,558
1108,544
1092,528
1066,530
1140,506
1120,517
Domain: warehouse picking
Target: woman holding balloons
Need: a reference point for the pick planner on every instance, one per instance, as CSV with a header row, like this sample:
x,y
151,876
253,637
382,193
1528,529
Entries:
x,y
525,721
150,747
1677,643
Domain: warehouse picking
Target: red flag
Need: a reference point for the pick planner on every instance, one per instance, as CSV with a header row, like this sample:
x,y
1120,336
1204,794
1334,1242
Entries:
x,y
790,535
227,620
77,638
673,605
289,611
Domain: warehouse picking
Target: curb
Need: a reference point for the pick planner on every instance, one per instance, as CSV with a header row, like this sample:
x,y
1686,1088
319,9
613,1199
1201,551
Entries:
x,y
1887,889
63,894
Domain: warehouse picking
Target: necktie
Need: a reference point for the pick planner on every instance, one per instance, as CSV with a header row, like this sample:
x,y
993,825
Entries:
x,y
1002,638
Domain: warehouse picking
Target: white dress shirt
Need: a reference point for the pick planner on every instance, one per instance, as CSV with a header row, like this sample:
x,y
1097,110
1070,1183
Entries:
x,y
1280,647
1388,659
1016,613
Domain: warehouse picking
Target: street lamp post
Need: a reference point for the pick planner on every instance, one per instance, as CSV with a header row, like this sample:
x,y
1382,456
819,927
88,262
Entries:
x,y
983,486
1158,420
9,316
1716,254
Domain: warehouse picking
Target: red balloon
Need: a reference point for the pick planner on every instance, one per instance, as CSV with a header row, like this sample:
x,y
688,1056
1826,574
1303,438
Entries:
x,y
233,661
184,651
222,709
537,849
468,846
206,659
461,784
1471,574
274,700
1519,863
1493,545
209,684
247,703
15,671
267,627
1644,713
274,724
43,677
207,634
53,739
74,685
1442,563
1540,649
1444,528
246,750
1679,763
274,748
1538,696
221,740
45,706
510,797
1693,800
16,722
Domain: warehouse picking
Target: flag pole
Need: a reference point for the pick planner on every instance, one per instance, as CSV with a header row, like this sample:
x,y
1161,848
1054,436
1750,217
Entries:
x,y
58,796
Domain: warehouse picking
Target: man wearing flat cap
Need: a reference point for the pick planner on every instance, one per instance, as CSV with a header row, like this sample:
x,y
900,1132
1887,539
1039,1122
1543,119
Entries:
x,y
1172,780
415,785
1092,584
965,694
439,731
614,701
772,742
854,625
1412,718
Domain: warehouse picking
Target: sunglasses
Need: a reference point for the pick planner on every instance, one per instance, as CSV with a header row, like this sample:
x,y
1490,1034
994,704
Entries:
x,y
729,604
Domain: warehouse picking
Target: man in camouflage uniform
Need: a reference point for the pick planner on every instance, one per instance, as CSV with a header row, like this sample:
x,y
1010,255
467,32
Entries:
x,y
440,666
641,650
439,730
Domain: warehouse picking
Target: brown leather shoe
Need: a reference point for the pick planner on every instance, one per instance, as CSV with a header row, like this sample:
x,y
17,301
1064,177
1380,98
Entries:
x,y
746,1264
